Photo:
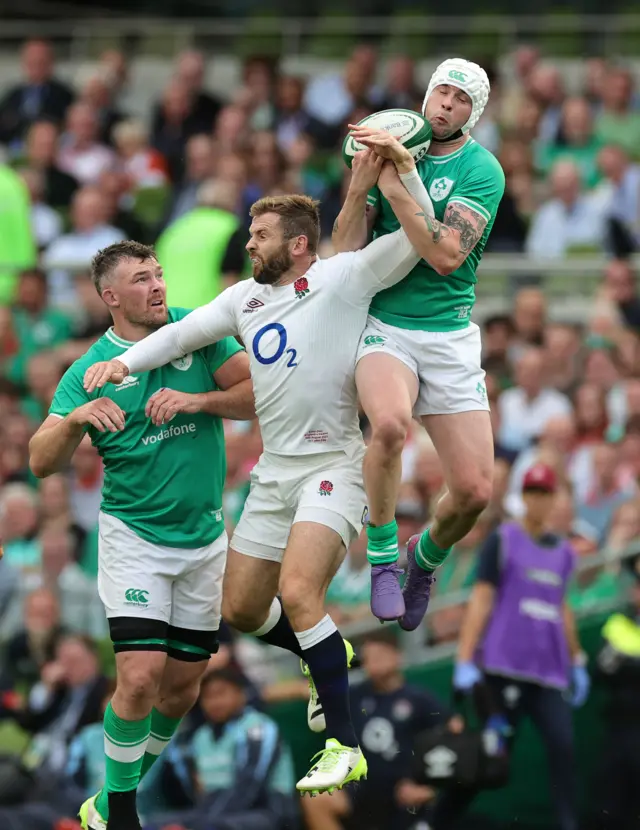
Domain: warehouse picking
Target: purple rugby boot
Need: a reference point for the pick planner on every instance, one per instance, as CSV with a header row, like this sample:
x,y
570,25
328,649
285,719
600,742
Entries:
x,y
417,589
387,603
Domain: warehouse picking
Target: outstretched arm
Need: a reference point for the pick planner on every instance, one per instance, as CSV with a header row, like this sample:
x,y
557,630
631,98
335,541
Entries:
x,y
205,325
352,228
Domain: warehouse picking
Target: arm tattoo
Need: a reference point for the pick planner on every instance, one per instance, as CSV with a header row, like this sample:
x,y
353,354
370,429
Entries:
x,y
437,229
469,232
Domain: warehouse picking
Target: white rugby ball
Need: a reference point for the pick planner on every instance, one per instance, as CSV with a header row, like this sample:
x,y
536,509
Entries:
x,y
409,127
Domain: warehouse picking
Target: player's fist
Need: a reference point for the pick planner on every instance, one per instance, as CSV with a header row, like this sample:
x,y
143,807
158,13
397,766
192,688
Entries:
x,y
365,170
165,404
383,144
103,414
106,371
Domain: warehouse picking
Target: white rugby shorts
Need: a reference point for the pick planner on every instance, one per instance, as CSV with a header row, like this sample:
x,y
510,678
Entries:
x,y
326,489
447,364
139,579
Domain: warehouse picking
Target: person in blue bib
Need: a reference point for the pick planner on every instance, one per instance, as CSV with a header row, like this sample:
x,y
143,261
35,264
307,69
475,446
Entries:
x,y
519,637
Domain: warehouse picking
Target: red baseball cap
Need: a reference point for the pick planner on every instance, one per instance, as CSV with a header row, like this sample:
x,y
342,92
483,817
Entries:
x,y
540,477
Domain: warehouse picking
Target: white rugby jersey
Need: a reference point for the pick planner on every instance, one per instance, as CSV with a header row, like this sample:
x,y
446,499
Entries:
x,y
301,339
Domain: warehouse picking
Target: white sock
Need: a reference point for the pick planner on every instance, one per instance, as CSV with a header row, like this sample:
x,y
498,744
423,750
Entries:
x,y
312,636
275,612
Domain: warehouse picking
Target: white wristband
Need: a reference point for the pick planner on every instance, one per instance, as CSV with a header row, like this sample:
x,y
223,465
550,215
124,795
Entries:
x,y
415,186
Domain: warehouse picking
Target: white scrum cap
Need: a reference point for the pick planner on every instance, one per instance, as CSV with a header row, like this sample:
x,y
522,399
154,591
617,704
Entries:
x,y
467,76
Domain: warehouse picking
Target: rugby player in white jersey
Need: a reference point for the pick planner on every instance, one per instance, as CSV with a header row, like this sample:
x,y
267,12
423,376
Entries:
x,y
300,319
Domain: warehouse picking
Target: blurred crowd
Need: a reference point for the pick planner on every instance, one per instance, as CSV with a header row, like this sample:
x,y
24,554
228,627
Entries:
x,y
78,173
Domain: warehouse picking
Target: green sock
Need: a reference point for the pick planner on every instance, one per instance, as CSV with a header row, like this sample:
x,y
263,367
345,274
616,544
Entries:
x,y
428,554
382,545
125,742
162,730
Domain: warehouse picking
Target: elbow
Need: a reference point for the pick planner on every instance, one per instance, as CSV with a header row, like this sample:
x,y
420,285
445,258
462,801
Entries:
x,y
445,265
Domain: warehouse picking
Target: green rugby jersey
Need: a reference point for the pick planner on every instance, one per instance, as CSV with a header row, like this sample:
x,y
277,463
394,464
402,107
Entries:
x,y
164,482
424,299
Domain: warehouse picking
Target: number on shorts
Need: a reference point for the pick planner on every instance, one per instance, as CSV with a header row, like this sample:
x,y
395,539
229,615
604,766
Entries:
x,y
266,360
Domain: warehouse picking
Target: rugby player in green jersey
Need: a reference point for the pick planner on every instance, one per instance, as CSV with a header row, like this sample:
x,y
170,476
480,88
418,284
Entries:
x,y
419,355
162,542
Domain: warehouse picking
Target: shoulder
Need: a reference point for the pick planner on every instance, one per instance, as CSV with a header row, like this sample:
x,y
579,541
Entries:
x,y
483,163
98,351
176,314
259,726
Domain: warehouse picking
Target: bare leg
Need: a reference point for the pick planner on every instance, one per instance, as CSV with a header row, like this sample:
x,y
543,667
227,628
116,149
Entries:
x,y
464,443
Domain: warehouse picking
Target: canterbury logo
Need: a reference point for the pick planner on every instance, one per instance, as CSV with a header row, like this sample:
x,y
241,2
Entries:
x,y
137,595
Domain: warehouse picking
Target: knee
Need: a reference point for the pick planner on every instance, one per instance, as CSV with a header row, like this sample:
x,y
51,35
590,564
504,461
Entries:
x,y
241,616
178,699
473,495
389,430
139,684
299,597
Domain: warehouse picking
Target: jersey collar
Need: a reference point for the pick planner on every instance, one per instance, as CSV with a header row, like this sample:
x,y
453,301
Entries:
x,y
117,341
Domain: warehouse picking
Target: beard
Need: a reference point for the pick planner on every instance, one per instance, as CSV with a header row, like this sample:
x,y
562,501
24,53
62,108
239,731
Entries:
x,y
270,270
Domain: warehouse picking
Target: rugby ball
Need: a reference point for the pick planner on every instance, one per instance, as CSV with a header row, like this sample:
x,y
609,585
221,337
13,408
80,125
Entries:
x,y
409,127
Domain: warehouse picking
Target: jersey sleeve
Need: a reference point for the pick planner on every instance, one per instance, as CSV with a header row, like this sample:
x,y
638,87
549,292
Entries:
x,y
70,393
383,263
219,353
481,189
207,324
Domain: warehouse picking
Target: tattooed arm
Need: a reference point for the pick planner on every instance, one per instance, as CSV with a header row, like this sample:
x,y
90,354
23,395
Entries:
x,y
445,245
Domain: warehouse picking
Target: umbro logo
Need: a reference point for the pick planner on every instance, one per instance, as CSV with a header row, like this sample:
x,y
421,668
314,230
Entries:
x,y
252,305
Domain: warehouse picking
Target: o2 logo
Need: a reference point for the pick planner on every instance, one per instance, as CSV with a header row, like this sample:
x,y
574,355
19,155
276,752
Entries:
x,y
281,349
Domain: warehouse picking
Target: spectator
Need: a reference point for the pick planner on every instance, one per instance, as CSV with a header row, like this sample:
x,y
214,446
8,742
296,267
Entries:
x,y
562,346
199,155
525,59
98,93
19,514
81,153
267,169
42,154
44,371
388,715
546,87
203,252
144,166
529,319
55,506
39,96
33,646
232,129
608,492
330,98
577,143
597,70
190,70
242,777
496,335
46,223
291,120
259,75
74,250
570,219
400,90
113,185
67,697
36,326
620,199
618,122
174,123
527,407
591,414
